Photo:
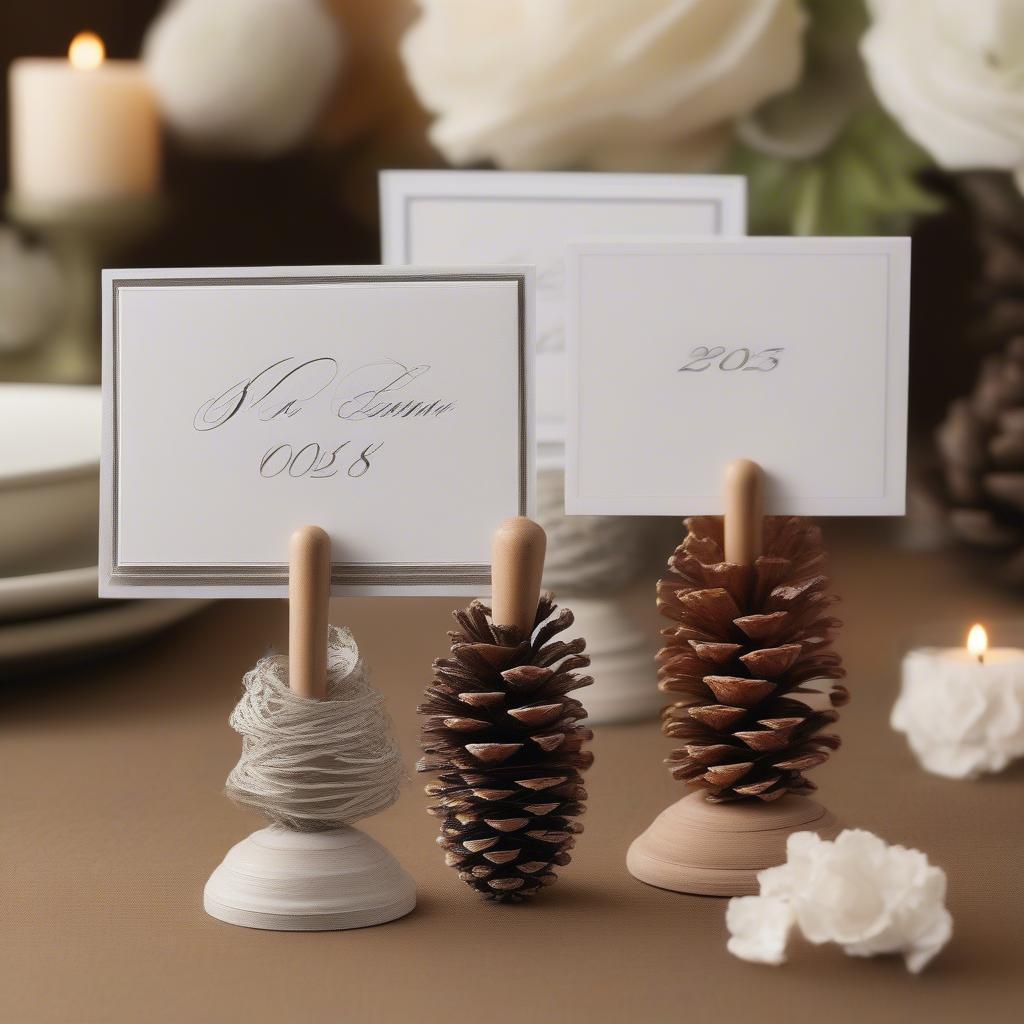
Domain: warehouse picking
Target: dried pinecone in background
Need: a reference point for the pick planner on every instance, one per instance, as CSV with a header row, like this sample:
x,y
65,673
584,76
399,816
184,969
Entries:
x,y
504,738
981,443
999,233
746,641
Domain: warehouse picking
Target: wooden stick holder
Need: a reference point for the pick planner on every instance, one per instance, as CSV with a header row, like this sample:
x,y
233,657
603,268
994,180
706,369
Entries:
x,y
517,565
284,880
717,849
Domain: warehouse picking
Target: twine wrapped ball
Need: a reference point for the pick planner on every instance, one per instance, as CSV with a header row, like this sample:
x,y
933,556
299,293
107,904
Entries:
x,y
315,765
246,77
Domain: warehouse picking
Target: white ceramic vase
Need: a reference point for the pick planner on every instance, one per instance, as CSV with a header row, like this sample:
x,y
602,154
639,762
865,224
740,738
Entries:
x,y
621,662
590,561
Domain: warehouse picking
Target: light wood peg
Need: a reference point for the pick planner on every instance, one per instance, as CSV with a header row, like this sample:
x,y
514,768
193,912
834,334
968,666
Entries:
x,y
517,564
309,592
744,511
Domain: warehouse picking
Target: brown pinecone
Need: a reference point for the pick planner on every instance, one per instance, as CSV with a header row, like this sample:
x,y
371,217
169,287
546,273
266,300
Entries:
x,y
503,736
981,443
998,220
746,640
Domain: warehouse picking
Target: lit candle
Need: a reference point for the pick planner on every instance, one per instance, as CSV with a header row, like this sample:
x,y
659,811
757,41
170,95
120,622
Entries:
x,y
83,129
962,708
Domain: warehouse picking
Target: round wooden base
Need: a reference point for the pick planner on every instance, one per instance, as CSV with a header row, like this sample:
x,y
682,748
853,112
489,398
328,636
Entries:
x,y
308,881
718,849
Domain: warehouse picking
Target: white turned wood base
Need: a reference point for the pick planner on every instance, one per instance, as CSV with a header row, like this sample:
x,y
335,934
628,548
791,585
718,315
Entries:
x,y
625,684
718,849
308,881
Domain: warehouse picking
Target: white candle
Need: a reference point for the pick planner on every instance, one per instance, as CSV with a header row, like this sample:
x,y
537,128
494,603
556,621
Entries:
x,y
82,129
962,708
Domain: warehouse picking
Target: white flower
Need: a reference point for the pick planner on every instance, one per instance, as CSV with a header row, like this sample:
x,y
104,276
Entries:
x,y
856,891
961,719
952,73
243,76
759,928
600,83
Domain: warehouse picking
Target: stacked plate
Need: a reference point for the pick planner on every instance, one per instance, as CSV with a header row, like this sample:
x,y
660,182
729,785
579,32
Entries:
x,y
50,614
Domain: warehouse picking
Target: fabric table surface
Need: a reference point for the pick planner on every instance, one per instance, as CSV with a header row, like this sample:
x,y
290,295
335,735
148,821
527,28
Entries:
x,y
113,817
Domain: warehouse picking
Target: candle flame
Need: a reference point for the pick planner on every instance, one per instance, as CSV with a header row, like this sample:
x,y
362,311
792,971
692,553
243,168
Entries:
x,y
86,51
977,641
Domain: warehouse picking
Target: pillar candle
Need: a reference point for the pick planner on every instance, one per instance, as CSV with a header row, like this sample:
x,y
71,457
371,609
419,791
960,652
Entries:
x,y
83,129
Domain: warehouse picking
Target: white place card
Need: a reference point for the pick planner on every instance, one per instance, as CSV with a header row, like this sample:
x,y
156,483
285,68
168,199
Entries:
x,y
495,217
389,406
789,351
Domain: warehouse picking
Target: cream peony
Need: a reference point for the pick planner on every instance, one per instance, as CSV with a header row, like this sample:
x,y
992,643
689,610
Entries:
x,y
566,83
952,73
856,891
243,76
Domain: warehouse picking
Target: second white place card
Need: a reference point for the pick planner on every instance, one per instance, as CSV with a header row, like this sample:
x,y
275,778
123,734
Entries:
x,y
444,217
684,355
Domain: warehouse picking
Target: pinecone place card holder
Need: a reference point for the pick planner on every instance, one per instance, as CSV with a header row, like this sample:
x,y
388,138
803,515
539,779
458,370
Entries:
x,y
751,630
685,355
502,733
317,755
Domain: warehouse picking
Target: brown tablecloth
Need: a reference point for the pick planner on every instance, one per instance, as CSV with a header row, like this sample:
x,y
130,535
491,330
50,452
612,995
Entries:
x,y
112,818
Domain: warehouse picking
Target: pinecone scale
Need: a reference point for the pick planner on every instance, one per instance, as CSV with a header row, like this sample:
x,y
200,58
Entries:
x,y
998,218
504,738
745,644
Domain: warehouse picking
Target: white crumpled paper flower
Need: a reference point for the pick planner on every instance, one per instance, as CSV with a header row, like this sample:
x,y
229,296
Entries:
x,y
647,84
960,718
243,76
857,891
952,73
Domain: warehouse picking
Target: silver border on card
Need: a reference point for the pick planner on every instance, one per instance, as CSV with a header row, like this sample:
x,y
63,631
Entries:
x,y
249,574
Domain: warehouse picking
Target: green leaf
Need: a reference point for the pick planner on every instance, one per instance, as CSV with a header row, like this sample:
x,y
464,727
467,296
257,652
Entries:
x,y
866,182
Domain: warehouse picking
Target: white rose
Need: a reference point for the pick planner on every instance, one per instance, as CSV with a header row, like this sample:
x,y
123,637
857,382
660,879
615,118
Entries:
x,y
243,76
857,891
952,73
599,83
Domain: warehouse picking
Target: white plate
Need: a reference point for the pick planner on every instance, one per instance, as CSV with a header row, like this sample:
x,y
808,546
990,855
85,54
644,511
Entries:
x,y
27,647
46,593
49,477
54,430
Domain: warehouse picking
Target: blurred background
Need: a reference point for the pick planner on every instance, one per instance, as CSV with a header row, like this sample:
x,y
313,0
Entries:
x,y
312,201
796,113
250,132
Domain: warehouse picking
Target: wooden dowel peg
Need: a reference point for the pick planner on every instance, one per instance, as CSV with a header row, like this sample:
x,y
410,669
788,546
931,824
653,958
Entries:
x,y
744,511
309,592
517,564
